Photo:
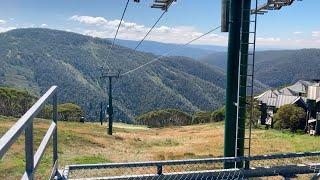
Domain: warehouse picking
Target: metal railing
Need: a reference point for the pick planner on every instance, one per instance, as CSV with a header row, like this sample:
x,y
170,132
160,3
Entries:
x,y
285,165
25,124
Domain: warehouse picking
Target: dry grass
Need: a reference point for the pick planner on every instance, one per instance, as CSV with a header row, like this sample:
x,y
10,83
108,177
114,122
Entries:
x,y
88,143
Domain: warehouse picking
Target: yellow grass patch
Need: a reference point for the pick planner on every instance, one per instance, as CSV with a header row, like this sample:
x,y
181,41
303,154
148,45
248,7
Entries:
x,y
89,143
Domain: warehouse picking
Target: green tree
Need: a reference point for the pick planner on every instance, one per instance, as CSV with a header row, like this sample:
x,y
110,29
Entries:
x,y
70,112
290,117
218,115
66,112
255,115
14,102
202,117
206,117
164,117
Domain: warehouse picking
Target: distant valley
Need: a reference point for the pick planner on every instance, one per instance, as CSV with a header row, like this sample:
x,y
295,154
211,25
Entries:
x,y
278,67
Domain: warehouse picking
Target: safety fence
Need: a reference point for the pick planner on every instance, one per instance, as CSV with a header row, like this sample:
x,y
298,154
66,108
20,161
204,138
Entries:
x,y
25,124
281,165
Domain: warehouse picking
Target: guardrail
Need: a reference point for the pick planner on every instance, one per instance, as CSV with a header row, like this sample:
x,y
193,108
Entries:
x,y
285,165
25,123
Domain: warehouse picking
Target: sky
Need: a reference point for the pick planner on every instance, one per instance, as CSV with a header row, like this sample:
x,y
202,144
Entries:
x,y
292,27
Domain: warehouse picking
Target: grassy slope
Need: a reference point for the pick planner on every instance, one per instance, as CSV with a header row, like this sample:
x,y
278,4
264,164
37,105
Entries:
x,y
88,143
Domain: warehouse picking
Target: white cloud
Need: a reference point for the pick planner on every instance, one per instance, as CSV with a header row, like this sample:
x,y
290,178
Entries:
x,y
89,19
5,29
179,34
268,41
104,28
316,33
297,32
2,22
288,43
44,25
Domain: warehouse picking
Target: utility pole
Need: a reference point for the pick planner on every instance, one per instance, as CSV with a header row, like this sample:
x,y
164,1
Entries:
x,y
110,106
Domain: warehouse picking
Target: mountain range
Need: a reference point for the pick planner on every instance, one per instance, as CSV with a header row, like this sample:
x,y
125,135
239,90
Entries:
x,y
277,67
34,59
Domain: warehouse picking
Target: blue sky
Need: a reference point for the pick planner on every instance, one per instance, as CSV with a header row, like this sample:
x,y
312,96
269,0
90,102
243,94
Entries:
x,y
296,26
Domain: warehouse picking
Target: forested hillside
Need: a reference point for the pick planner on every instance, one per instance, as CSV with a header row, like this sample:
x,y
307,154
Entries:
x,y
276,68
35,59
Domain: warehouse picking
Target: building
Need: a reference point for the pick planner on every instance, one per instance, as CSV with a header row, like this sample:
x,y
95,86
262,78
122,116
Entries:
x,y
313,113
305,94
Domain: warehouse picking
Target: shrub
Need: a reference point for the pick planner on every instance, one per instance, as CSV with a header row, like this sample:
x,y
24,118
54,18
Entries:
x,y
206,117
219,115
290,117
165,117
202,117
66,112
256,115
14,102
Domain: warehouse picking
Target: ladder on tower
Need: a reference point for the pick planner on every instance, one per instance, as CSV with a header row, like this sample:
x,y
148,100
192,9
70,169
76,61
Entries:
x,y
245,101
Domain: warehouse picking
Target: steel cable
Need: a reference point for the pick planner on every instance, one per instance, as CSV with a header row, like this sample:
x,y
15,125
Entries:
x,y
166,54
115,36
150,30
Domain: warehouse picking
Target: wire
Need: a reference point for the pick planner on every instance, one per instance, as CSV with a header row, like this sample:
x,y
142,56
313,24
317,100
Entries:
x,y
160,57
115,37
150,30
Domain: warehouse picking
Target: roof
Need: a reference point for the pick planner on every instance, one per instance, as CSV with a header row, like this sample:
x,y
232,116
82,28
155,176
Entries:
x,y
269,97
267,94
285,99
272,101
297,88
288,91
286,95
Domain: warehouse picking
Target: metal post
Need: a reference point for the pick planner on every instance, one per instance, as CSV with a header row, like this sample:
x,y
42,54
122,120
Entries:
x,y
101,113
55,132
317,128
29,150
110,109
245,36
232,80
225,5
159,169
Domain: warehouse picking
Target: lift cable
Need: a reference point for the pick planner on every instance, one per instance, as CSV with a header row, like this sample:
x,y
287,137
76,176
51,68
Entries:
x,y
150,30
115,36
166,54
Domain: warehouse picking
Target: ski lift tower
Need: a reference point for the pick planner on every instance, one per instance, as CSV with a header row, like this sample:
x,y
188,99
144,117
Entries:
x,y
236,20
